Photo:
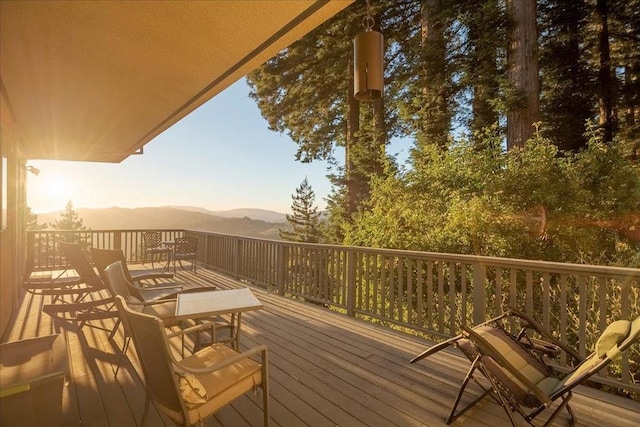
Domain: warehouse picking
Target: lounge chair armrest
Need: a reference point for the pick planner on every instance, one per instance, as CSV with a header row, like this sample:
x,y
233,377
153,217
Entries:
x,y
244,355
532,324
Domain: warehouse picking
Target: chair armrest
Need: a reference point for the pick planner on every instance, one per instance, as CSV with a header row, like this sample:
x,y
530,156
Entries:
x,y
147,303
244,355
139,278
532,324
194,328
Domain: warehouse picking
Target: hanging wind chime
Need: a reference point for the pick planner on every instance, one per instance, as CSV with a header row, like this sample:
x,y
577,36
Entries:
x,y
368,61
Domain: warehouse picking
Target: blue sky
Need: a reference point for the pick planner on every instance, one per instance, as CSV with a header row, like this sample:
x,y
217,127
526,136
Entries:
x,y
222,156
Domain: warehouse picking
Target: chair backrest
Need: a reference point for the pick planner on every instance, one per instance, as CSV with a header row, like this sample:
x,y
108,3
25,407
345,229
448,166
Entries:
x,y
151,345
186,245
102,258
79,262
510,363
151,239
117,281
614,340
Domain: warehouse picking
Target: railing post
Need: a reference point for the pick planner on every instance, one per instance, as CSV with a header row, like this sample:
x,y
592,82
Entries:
x,y
351,282
206,250
31,246
117,240
479,293
237,259
281,267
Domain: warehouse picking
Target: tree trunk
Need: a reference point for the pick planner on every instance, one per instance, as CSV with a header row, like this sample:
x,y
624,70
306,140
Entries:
x,y
483,69
522,63
435,109
353,125
605,101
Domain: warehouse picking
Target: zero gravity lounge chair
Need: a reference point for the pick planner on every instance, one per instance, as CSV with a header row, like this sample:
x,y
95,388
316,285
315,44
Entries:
x,y
520,380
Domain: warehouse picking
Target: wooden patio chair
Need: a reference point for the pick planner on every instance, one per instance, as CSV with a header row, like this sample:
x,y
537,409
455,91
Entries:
x,y
153,247
190,389
519,379
102,258
185,249
89,302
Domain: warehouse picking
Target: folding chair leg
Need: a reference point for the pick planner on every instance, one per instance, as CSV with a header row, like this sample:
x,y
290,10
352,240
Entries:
x,y
147,401
115,329
452,415
503,402
124,351
565,403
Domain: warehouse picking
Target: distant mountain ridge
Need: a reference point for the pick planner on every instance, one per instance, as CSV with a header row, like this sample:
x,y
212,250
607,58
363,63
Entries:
x,y
253,213
179,217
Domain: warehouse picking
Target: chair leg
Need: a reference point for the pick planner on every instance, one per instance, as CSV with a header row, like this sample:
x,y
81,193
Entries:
x,y
124,351
265,388
452,415
502,400
147,401
565,403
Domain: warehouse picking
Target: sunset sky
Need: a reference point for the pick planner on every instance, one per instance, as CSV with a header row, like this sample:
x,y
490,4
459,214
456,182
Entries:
x,y
222,156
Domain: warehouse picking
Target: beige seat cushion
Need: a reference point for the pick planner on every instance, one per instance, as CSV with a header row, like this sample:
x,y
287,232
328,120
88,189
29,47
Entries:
x,y
223,385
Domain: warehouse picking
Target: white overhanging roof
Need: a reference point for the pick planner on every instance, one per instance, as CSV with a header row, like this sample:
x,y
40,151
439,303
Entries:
x,y
97,80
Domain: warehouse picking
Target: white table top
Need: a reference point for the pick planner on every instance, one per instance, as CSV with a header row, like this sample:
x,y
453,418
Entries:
x,y
210,303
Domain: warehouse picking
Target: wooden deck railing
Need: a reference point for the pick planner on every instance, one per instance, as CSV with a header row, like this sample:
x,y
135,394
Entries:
x,y
426,292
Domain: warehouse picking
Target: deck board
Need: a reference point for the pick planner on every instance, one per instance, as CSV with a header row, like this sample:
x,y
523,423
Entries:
x,y
326,369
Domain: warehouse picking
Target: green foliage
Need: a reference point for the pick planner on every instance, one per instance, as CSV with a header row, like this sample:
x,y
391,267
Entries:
x,y
31,220
69,219
305,220
530,203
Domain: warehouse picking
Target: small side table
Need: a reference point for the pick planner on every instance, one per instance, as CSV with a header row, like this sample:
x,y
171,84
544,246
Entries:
x,y
32,376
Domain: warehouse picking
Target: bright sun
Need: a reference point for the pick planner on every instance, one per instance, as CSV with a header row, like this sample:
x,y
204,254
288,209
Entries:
x,y
60,188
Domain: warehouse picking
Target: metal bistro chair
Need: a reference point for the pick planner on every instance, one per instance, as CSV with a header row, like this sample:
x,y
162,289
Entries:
x,y
190,389
185,249
153,247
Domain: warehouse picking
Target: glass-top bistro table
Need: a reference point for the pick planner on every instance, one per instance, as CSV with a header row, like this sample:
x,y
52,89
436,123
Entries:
x,y
201,305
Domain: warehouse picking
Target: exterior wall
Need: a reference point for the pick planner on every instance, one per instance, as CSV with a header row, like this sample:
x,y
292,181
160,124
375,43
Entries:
x,y
13,177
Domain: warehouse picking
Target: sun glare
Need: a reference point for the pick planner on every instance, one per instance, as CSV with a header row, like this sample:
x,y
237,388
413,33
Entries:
x,y
60,188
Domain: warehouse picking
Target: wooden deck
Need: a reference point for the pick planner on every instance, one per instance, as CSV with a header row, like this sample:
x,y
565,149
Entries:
x,y
326,369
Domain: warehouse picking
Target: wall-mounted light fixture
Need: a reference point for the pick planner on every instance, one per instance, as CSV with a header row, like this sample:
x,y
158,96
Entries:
x,y
368,61
34,170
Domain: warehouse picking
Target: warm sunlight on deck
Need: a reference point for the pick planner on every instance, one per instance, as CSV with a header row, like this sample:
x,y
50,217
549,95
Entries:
x,y
326,369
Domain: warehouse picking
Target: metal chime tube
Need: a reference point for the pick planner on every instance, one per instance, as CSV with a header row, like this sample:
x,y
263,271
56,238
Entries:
x,y
368,60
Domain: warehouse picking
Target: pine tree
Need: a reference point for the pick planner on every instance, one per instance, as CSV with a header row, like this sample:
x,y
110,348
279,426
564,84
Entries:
x,y
31,220
305,219
69,219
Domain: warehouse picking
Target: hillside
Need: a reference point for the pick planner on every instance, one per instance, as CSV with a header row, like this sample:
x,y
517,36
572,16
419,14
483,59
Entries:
x,y
171,217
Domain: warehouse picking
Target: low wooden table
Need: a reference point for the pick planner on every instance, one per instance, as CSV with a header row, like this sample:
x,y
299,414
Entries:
x,y
32,376
200,305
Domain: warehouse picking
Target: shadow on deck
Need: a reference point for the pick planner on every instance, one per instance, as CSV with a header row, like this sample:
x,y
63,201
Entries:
x,y
326,369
